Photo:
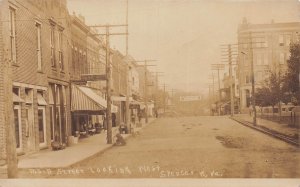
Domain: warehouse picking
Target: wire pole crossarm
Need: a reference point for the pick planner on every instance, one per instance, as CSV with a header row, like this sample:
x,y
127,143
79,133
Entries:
x,y
146,89
108,75
108,25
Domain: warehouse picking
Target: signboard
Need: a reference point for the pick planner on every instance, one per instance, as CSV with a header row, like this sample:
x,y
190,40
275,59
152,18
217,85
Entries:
x,y
91,77
190,98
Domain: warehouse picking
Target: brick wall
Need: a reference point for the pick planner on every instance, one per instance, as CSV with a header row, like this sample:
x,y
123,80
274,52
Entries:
x,y
2,99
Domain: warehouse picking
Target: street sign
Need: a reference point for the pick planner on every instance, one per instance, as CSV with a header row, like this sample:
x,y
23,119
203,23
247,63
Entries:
x,y
92,77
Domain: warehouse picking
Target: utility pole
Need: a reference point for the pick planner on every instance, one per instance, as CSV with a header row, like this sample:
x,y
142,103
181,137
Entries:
x,y
157,88
108,89
108,77
11,154
231,81
229,55
127,27
250,54
252,81
146,85
218,67
146,90
164,98
213,89
128,87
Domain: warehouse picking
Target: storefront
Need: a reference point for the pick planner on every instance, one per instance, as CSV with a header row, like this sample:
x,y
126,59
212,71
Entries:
x,y
87,109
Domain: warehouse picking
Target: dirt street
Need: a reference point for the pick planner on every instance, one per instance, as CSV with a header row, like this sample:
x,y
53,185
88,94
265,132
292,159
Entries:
x,y
189,147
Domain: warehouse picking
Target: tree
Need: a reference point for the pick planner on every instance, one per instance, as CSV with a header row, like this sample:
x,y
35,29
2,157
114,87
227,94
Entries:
x,y
262,96
291,78
272,93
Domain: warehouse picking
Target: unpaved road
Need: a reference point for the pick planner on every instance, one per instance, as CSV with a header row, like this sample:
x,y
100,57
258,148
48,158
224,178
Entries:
x,y
189,147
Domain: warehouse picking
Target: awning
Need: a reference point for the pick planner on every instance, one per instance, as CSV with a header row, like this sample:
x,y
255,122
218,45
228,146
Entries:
x,y
120,98
17,99
40,100
85,99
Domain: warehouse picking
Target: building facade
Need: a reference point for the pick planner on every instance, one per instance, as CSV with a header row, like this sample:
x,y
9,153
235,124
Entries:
x,y
267,47
36,41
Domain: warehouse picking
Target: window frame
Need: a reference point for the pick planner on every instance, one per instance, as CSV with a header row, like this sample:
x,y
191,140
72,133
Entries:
x,y
18,108
12,34
43,144
38,26
52,45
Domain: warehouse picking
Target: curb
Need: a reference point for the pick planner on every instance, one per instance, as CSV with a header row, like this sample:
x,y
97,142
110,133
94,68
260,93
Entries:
x,y
267,132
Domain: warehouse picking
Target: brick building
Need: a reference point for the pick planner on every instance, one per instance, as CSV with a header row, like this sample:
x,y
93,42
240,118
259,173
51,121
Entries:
x,y
35,38
85,59
267,46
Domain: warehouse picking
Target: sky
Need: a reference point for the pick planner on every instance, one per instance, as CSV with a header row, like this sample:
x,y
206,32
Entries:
x,y
183,36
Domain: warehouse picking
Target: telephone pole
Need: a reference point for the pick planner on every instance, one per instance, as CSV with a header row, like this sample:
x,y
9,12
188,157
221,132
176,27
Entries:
x,y
127,26
218,67
11,154
108,76
250,54
157,74
146,86
146,89
229,53
164,98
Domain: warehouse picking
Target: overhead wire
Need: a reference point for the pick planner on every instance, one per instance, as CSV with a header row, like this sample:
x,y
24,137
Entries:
x,y
68,38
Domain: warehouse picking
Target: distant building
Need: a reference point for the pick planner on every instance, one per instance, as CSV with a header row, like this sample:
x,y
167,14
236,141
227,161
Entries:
x,y
270,52
190,98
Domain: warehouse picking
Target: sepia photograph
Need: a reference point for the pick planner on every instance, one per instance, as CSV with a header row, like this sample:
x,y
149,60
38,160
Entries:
x,y
150,93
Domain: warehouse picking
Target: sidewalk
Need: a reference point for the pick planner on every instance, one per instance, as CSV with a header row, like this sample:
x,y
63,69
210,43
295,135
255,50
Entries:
x,y
86,147
278,127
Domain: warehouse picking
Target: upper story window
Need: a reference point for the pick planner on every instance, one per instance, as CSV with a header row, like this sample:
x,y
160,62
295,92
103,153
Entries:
x,y
288,40
260,42
281,40
266,59
60,50
259,59
247,79
39,48
52,45
12,30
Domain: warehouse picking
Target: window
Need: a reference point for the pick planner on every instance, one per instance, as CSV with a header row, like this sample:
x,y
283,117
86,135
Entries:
x,y
18,127
247,79
12,28
259,59
39,51
266,59
60,50
259,76
259,42
28,95
52,46
281,58
281,42
42,126
287,40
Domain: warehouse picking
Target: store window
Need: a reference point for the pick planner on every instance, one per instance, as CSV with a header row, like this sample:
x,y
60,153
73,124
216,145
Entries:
x,y
42,126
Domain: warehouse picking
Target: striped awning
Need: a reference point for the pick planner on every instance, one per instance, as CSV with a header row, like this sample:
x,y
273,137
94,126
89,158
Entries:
x,y
85,99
